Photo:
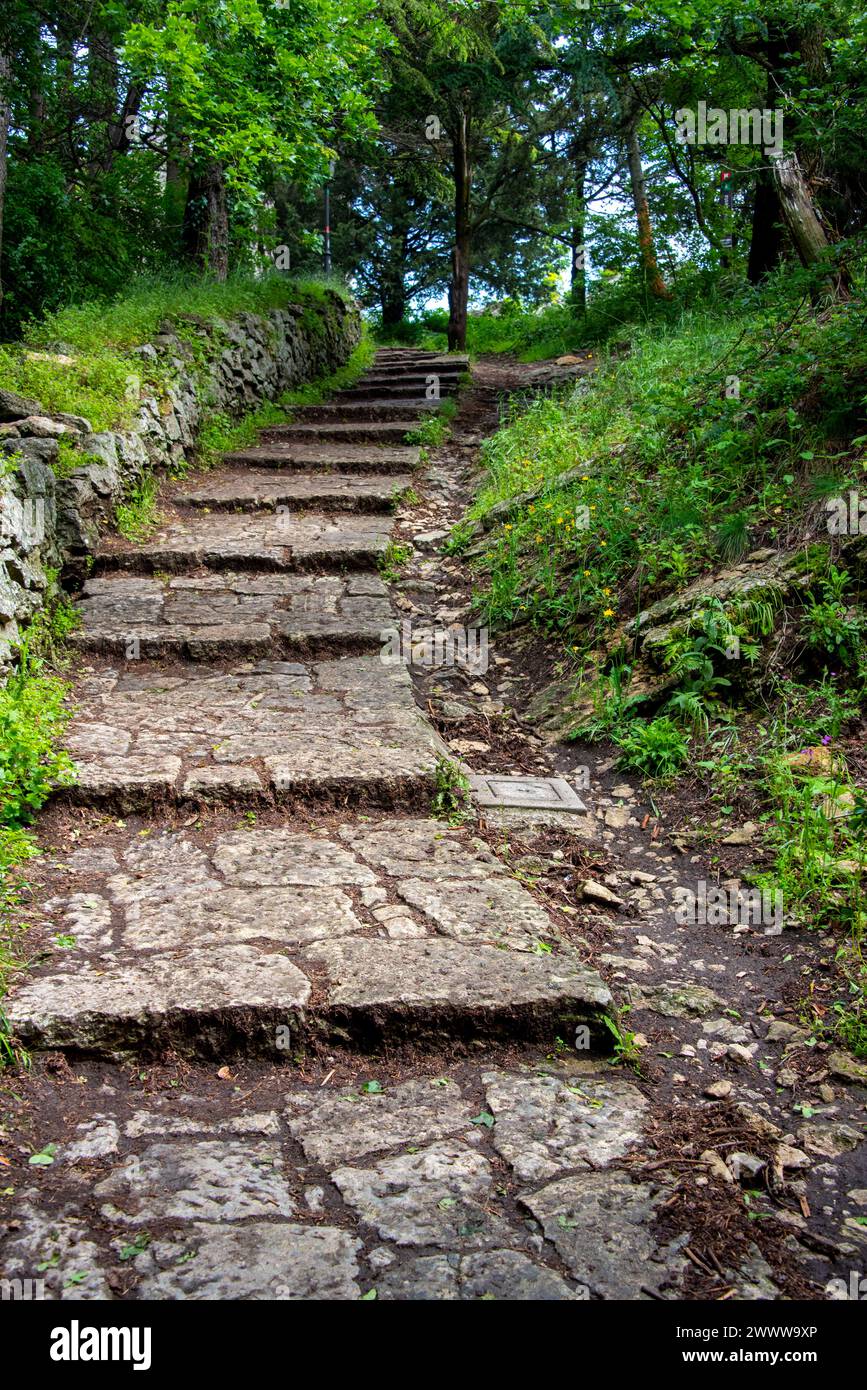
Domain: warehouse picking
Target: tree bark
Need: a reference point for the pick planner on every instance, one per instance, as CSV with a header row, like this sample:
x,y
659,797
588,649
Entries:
x,y
206,220
652,273
578,279
5,73
766,238
805,229
459,289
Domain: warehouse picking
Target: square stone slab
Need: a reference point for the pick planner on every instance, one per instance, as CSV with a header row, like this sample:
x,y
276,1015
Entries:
x,y
540,793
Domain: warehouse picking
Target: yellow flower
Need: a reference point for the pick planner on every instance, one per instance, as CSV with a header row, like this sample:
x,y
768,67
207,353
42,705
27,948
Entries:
x,y
603,543
606,592
539,537
586,478
608,612
507,526
586,574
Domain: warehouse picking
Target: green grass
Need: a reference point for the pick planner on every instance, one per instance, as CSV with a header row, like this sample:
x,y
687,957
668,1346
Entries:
x,y
135,316
137,515
33,715
78,360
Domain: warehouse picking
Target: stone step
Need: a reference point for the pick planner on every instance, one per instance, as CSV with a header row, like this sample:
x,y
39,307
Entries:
x,y
370,409
294,541
414,389
249,491
232,941
359,432
232,616
341,733
342,458
396,359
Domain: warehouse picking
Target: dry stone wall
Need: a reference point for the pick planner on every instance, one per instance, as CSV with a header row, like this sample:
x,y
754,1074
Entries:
x,y
50,522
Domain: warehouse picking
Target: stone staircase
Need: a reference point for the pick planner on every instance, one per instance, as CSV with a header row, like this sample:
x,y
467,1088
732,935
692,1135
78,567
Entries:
x,y
233,666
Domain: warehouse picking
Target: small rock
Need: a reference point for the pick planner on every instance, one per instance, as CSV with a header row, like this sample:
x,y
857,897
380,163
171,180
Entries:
x,y
597,892
718,1090
778,1031
744,1165
742,836
716,1165
787,1156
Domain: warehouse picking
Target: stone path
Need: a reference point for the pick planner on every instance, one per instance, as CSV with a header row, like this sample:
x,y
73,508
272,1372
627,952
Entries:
x,y
293,1038
234,667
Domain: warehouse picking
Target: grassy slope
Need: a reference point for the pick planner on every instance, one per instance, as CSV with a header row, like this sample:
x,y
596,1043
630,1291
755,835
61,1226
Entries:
x,y
722,431
79,359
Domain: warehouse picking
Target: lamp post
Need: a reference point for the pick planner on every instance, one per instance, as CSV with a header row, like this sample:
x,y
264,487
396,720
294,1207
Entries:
x,y
332,165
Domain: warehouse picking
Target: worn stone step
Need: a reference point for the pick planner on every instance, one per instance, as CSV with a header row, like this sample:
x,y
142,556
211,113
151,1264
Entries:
x,y
343,432
213,617
397,360
381,932
370,409
247,490
345,732
407,388
324,458
293,541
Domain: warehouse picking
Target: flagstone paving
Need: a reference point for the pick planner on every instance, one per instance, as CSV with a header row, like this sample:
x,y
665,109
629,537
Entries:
x,y
233,615
299,1039
340,730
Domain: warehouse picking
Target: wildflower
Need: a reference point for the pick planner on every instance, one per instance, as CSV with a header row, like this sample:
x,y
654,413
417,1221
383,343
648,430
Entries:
x,y
608,612
587,574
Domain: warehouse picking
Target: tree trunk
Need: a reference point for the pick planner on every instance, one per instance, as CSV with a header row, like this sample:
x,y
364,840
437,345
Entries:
x,y
393,308
766,239
206,220
652,273
799,215
578,280
459,289
5,73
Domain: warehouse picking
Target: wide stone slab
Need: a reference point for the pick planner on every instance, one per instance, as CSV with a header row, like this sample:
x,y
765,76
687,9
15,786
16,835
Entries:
x,y
339,731
251,491
207,1180
259,1261
492,1275
439,1196
545,1126
263,541
372,408
232,615
257,940
344,432
602,1226
332,1129
324,458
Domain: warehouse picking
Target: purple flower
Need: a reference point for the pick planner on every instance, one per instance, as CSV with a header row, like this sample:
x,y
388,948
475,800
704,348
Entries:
x,y
826,739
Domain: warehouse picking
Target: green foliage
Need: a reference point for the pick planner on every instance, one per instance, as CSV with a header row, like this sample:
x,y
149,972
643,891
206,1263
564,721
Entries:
x,y
451,799
392,560
656,749
136,516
